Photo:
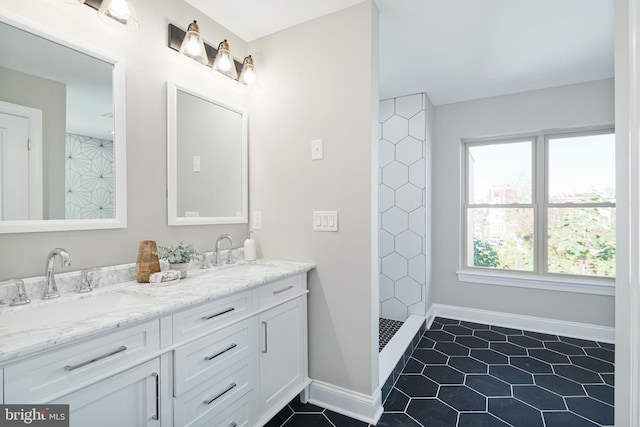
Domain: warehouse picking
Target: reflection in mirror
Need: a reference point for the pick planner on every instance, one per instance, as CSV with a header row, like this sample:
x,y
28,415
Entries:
x,y
207,160
61,143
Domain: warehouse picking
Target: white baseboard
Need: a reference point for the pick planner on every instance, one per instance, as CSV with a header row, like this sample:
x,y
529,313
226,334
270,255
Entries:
x,y
530,323
346,402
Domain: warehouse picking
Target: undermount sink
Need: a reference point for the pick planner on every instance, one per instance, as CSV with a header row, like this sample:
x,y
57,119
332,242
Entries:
x,y
51,313
241,270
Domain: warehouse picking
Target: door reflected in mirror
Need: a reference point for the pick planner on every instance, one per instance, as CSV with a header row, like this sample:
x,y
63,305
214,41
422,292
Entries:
x,y
61,141
207,159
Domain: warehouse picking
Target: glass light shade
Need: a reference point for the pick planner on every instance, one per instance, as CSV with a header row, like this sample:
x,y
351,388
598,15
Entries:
x,y
224,61
193,46
120,13
248,72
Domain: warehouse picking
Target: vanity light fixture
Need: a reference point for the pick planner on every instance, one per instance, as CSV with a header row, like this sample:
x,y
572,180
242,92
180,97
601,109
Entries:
x,y
192,45
224,61
120,13
248,73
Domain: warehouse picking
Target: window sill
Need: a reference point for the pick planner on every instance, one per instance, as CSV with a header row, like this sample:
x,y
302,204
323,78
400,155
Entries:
x,y
594,287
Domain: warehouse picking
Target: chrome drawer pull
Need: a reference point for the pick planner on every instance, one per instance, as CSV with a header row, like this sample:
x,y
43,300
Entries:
x,y
69,368
264,324
231,347
279,291
228,310
157,415
231,387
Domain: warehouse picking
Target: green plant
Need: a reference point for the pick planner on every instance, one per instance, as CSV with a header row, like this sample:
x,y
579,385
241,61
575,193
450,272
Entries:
x,y
177,254
484,255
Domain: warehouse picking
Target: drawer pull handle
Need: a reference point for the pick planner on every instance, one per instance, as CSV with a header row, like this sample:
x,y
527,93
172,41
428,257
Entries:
x,y
227,390
264,325
157,415
279,291
233,424
70,368
220,353
228,310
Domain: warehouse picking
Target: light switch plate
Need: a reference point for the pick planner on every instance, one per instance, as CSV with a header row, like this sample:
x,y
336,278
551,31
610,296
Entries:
x,y
325,220
196,163
316,149
257,220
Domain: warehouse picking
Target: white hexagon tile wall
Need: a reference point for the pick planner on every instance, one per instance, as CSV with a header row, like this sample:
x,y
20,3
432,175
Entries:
x,y
402,186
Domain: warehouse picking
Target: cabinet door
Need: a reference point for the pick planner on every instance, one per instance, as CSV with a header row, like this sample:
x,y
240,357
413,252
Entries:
x,y
282,343
128,399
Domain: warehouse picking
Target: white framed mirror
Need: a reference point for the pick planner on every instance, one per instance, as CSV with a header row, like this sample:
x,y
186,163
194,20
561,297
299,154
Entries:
x,y
206,159
62,132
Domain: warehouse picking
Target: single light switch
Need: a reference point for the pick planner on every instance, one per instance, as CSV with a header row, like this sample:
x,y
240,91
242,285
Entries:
x,y
257,220
316,149
196,163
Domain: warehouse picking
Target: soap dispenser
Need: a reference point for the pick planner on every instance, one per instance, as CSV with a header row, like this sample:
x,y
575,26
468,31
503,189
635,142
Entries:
x,y
250,248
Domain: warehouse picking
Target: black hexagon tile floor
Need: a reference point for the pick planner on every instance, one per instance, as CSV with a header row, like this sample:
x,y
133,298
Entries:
x,y
465,374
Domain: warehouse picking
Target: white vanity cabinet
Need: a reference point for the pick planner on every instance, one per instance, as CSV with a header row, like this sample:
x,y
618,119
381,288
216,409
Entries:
x,y
128,399
234,361
282,370
283,344
249,366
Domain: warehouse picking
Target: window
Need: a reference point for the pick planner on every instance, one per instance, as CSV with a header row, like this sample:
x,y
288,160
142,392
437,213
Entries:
x,y
541,204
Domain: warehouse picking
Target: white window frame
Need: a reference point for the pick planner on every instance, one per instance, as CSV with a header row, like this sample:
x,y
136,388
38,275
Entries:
x,y
540,277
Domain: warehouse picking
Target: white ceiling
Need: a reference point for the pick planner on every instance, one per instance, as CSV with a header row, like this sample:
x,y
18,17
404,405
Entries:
x,y
252,19
456,50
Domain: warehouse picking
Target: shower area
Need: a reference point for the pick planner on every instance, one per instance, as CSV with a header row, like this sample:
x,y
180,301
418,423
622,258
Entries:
x,y
404,153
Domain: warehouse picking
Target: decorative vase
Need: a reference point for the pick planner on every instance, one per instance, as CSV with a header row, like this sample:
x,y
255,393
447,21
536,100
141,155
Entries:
x,y
182,267
148,262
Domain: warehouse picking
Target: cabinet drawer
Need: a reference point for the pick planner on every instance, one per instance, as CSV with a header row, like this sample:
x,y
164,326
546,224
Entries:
x,y
279,290
213,354
58,372
207,401
208,317
237,414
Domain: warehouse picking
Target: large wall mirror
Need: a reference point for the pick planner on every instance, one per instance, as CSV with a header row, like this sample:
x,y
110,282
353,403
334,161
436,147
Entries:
x,y
62,136
206,159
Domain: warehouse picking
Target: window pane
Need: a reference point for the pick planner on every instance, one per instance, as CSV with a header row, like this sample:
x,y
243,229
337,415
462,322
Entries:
x,y
582,241
582,169
500,238
500,173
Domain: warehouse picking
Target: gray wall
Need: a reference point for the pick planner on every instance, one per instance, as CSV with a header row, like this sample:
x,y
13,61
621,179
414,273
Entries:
x,y
562,107
307,95
50,97
149,64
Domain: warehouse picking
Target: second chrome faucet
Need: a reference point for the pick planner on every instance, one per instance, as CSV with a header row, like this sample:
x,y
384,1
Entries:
x,y
50,287
218,242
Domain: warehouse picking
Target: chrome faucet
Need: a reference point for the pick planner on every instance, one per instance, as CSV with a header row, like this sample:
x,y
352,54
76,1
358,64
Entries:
x,y
218,241
50,287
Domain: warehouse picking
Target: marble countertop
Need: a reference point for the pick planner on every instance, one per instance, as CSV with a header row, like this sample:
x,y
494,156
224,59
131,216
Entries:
x,y
46,323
